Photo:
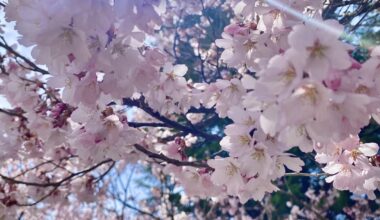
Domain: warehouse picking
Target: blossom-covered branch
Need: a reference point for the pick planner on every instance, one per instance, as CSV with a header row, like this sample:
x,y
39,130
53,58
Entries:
x,y
249,87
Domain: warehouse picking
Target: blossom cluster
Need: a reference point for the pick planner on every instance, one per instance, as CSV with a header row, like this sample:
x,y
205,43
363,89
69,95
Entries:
x,y
296,85
299,87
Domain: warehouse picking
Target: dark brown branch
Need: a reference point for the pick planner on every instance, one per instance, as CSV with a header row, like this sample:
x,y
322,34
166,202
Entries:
x,y
164,158
33,66
124,203
140,103
40,199
146,124
58,183
41,164
12,112
21,215
172,137
333,10
361,10
361,19
106,172
201,110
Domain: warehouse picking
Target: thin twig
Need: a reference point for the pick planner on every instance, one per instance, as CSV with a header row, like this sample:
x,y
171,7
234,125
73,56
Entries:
x,y
307,174
58,183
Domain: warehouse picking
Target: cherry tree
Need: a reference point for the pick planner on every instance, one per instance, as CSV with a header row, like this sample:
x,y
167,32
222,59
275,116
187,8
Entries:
x,y
222,103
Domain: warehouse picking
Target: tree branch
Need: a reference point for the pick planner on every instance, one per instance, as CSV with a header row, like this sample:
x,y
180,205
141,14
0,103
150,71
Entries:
x,y
12,112
164,158
33,66
146,124
58,183
307,174
137,209
140,103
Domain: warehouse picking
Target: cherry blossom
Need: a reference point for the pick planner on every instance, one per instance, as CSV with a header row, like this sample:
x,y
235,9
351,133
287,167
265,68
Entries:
x,y
349,165
102,90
